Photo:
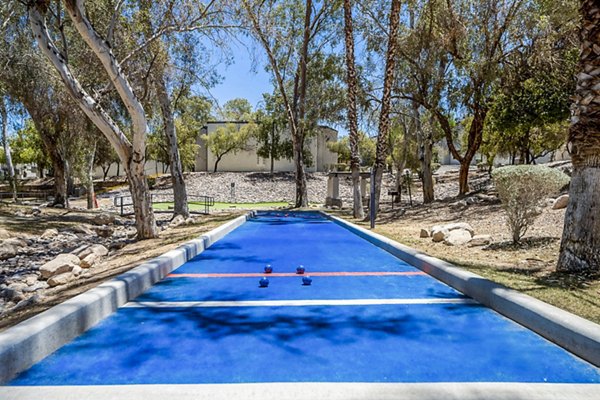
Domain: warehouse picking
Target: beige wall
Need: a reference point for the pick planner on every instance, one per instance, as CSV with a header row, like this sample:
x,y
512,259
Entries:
x,y
248,160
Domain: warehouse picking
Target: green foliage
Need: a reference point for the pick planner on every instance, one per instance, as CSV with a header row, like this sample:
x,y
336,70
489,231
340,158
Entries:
x,y
27,147
237,110
523,190
366,149
191,114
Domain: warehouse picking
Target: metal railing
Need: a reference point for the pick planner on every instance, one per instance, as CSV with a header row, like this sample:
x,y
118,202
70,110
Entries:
x,y
122,202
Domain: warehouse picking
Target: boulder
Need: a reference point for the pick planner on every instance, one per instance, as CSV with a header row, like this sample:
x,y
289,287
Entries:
x,y
103,231
31,280
457,237
103,219
97,249
63,263
480,240
61,279
80,249
175,222
189,221
561,202
460,225
89,260
439,235
15,242
49,233
459,205
424,233
85,229
4,234
7,251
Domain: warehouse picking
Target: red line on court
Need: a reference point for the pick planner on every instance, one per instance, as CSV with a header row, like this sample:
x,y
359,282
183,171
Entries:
x,y
282,274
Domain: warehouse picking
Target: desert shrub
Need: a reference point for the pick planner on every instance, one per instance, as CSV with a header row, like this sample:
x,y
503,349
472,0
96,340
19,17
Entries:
x,y
523,189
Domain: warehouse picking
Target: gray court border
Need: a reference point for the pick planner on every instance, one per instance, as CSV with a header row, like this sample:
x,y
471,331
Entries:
x,y
310,391
577,335
28,342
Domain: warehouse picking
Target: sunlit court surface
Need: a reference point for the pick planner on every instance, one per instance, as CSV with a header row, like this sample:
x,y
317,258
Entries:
x,y
368,325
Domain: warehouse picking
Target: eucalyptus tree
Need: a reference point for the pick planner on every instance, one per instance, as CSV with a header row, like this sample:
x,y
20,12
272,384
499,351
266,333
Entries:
x,y
25,81
6,145
122,65
292,33
581,234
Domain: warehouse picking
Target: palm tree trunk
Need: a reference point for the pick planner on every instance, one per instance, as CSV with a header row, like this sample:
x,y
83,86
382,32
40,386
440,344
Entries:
x,y
581,234
358,210
384,116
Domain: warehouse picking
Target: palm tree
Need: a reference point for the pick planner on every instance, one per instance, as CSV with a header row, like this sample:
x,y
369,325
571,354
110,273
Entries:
x,y
580,246
352,118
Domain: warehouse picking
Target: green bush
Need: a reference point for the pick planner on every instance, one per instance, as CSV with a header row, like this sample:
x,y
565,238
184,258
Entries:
x,y
523,189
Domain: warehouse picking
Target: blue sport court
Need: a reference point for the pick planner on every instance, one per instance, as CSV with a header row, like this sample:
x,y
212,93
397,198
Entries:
x,y
367,317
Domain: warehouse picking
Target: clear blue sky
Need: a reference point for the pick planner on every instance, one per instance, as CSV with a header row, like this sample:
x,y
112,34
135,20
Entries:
x,y
241,79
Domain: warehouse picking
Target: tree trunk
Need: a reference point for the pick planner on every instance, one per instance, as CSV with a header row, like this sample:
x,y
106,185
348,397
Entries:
x,y
357,208
581,234
427,174
89,183
425,154
301,183
272,151
141,199
131,152
217,163
11,168
384,116
179,190
60,182
463,177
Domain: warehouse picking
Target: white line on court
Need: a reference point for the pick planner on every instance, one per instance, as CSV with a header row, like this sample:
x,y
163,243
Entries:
x,y
310,391
293,303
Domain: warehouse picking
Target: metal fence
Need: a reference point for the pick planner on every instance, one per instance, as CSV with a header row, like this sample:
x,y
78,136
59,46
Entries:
x,y
125,203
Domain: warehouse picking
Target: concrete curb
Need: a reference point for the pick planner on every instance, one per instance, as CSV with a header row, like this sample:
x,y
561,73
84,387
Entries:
x,y
578,335
310,391
25,344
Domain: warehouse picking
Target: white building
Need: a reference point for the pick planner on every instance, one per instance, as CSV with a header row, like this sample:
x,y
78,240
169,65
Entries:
x,y
248,161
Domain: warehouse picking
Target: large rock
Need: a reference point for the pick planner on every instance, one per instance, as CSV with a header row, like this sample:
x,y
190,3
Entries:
x,y
457,237
4,234
103,219
97,249
460,225
49,233
15,242
84,229
63,263
7,251
439,235
90,260
480,240
61,279
561,202
103,231
178,220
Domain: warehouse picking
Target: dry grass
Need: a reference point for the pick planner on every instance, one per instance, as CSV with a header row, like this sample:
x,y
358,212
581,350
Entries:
x,y
116,263
528,267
